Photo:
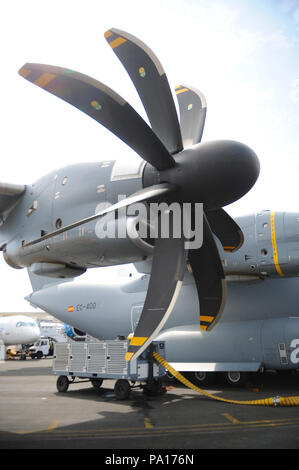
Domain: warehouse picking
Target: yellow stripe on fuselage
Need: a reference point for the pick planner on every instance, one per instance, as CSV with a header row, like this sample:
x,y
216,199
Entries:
x,y
274,246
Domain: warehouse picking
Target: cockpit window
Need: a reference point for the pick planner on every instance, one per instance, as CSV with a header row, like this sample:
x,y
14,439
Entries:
x,y
24,323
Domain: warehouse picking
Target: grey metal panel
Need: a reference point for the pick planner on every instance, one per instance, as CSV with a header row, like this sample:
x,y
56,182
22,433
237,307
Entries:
x,y
277,336
228,342
116,363
96,357
61,358
77,359
127,169
7,189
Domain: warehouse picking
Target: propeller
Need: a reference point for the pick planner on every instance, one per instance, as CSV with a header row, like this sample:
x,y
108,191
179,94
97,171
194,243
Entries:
x,y
180,168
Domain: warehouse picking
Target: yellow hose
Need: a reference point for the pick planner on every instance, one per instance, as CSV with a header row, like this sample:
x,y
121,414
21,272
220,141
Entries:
x,y
275,401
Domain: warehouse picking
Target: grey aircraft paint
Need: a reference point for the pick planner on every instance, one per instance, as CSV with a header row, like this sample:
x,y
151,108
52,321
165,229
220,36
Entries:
x,y
260,317
262,302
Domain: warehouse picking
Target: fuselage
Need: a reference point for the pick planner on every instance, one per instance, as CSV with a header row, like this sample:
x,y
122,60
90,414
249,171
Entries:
x,y
106,311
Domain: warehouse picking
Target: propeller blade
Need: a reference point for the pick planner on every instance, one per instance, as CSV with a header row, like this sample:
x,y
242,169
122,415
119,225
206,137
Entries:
x,y
168,268
142,195
104,105
193,109
152,85
226,229
209,278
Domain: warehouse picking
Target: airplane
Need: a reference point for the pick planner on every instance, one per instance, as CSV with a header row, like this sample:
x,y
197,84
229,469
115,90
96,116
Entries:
x,y
18,329
52,226
259,327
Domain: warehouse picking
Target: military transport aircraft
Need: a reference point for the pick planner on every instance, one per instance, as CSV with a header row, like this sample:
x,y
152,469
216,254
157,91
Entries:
x,y
50,226
259,328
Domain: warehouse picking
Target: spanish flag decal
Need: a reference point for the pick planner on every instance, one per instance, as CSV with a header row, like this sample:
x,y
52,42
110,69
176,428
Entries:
x,y
70,308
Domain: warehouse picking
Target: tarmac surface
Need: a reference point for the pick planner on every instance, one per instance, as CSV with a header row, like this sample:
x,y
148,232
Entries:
x,y
34,415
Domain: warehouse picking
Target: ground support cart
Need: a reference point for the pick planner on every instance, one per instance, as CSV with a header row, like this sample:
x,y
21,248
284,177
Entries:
x,y
99,360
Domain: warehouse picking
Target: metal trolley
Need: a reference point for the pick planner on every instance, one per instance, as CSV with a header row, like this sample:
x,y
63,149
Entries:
x,y
96,361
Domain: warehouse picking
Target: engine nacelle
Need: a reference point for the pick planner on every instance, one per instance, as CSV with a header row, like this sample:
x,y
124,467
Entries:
x,y
74,333
271,245
56,270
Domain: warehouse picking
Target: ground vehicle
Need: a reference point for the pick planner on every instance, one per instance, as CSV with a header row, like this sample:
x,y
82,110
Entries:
x,y
43,347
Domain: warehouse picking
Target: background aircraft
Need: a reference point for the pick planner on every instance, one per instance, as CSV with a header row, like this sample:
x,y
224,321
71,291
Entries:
x,y
50,226
18,329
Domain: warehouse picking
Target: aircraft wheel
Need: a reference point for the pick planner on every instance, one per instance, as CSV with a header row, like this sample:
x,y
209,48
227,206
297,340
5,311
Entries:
x,y
202,379
97,383
122,389
235,378
170,377
62,384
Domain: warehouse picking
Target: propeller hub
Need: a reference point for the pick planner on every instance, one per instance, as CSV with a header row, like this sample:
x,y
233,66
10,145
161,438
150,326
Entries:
x,y
215,173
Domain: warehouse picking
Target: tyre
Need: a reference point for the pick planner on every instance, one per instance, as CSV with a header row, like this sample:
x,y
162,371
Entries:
x,y
170,377
96,383
122,389
202,379
235,378
39,355
62,383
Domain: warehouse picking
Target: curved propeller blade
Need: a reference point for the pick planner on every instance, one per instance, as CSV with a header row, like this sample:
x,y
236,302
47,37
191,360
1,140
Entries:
x,y
149,78
226,229
193,109
142,195
168,268
209,278
104,105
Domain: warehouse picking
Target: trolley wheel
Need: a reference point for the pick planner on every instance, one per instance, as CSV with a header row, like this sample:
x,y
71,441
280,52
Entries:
x,y
122,389
62,384
96,383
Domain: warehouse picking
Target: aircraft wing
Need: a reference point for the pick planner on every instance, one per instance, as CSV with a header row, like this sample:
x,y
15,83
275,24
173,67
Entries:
x,y
9,195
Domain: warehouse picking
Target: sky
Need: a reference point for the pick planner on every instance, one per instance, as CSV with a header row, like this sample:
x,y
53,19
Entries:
x,y
242,54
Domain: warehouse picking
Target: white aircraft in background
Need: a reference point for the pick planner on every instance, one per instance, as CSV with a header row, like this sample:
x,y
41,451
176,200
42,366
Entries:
x,y
18,329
